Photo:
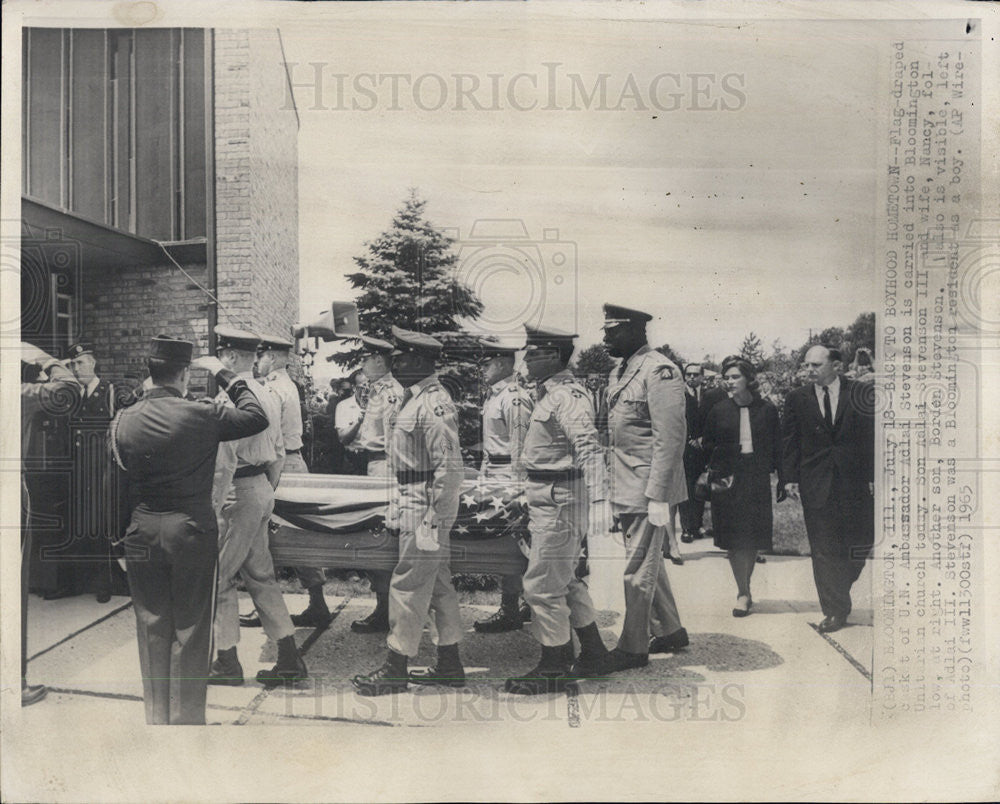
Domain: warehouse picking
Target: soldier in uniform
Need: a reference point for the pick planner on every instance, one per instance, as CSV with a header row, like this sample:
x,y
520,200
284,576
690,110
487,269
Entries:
x,y
272,368
58,390
246,475
167,447
93,481
563,461
384,397
505,423
426,462
647,433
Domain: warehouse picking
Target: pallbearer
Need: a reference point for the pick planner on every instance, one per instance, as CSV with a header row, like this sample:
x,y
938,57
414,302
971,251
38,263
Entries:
x,y
167,447
565,470
425,459
647,433
506,412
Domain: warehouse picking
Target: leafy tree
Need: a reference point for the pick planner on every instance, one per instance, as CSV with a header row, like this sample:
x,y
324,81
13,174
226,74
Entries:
x,y
592,363
674,357
406,277
861,334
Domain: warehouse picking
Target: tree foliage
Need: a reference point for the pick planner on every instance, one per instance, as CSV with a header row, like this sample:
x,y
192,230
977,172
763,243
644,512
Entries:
x,y
406,277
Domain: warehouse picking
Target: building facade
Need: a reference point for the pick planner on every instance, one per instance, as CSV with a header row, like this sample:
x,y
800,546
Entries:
x,y
159,189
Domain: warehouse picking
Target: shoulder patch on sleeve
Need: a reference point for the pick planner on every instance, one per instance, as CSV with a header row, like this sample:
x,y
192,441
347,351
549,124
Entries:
x,y
664,371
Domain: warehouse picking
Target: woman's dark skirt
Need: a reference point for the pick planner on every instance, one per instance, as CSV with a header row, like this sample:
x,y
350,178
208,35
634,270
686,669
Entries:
x,y
742,519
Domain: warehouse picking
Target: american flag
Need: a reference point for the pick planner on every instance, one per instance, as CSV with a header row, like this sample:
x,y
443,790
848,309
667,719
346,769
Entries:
x,y
489,509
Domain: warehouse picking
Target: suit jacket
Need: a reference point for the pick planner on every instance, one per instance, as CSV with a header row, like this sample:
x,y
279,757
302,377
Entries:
x,y
647,432
721,438
828,463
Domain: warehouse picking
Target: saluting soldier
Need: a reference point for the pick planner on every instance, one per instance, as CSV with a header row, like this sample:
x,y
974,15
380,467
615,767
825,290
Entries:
x,y
246,475
384,397
647,432
272,368
167,447
506,412
425,459
563,461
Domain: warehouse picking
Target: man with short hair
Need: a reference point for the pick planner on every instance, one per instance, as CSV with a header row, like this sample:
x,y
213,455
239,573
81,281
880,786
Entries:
x,y
692,510
272,368
93,480
647,433
385,395
347,422
426,462
828,437
246,475
564,465
506,412
167,447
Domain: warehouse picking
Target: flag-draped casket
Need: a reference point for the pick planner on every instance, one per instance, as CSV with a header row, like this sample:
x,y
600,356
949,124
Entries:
x,y
338,521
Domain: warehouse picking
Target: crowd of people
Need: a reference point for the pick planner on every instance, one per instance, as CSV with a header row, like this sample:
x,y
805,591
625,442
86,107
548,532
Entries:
x,y
200,480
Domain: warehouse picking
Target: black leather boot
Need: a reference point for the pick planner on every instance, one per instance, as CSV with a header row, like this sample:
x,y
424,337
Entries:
x,y
378,621
595,660
551,675
226,669
506,618
289,669
448,672
317,613
390,677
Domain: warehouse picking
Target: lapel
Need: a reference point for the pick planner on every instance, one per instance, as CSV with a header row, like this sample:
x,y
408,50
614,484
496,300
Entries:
x,y
616,388
845,386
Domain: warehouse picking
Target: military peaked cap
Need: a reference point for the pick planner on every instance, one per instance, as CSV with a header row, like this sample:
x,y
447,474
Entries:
x,y
232,338
615,314
405,340
163,347
547,338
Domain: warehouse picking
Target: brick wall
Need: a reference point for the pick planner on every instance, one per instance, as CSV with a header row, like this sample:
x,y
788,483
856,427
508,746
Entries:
x,y
120,313
256,183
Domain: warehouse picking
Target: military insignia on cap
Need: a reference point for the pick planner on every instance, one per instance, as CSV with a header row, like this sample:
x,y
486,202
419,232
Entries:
x,y
79,349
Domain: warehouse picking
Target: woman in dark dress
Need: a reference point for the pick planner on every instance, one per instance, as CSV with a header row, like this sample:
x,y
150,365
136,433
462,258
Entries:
x,y
742,436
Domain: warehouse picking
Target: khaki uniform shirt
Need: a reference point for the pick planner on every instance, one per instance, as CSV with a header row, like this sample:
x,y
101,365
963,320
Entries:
x,y
281,384
506,413
561,434
647,431
384,397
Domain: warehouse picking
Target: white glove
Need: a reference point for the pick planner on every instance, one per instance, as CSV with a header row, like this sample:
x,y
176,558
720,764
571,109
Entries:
x,y
427,534
210,363
600,518
32,354
659,514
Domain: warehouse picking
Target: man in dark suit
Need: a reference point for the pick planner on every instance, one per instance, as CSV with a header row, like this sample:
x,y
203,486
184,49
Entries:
x,y
829,458
698,400
167,447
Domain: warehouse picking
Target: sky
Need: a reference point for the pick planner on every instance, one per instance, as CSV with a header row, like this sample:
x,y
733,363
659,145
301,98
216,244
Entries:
x,y
759,216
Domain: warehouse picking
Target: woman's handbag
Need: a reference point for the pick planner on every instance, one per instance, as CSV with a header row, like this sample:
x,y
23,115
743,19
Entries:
x,y
712,486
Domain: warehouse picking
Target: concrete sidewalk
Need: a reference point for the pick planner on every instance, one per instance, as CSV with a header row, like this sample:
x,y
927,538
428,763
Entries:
x,y
760,668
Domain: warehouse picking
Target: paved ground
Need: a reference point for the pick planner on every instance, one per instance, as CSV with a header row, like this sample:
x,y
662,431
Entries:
x,y
735,669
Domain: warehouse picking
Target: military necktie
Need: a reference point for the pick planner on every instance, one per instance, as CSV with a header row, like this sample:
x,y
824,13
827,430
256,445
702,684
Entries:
x,y
540,391
407,396
827,410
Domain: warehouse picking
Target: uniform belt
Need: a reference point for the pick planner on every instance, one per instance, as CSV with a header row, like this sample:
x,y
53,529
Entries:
x,y
498,460
414,476
554,475
250,471
293,451
375,454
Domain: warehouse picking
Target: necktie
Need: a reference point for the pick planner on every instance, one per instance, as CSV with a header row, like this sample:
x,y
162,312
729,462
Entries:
x,y
827,410
407,396
540,391
621,370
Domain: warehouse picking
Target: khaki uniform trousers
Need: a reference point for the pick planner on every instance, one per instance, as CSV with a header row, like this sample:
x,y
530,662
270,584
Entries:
x,y
421,586
243,551
649,602
557,520
295,463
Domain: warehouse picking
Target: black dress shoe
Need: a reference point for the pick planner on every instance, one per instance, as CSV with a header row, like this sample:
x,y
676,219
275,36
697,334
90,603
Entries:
x,y
250,620
760,559
104,596
670,643
312,617
831,624
623,660
60,593
687,538
375,623
589,665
